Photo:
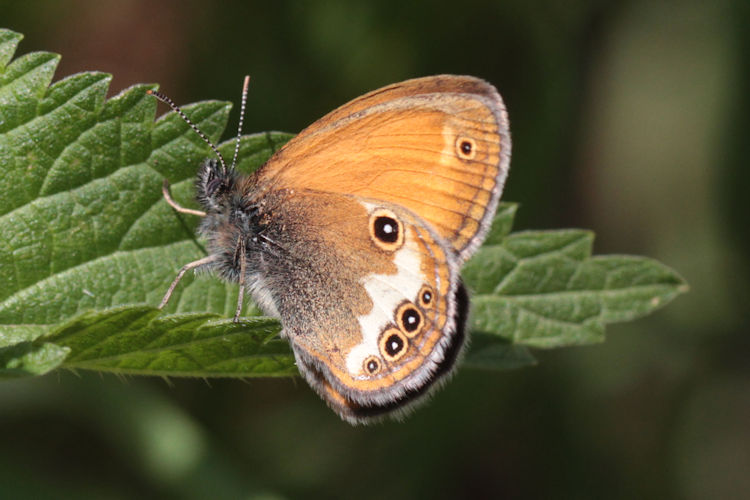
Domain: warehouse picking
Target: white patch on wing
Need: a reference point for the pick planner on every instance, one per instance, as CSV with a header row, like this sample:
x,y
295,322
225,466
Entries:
x,y
387,291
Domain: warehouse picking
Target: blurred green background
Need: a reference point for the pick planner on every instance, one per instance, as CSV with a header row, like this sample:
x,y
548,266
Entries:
x,y
628,117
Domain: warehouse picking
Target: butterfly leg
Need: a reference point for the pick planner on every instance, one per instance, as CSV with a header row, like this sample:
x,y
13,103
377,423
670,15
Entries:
x,y
241,293
173,204
185,268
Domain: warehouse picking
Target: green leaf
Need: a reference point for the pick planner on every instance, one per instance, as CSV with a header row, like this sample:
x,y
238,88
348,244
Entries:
x,y
27,358
488,352
542,289
141,341
80,198
88,240
502,223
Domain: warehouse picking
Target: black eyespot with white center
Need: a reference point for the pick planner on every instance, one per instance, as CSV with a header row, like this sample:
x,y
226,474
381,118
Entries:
x,y
426,296
466,148
409,319
372,365
393,344
386,230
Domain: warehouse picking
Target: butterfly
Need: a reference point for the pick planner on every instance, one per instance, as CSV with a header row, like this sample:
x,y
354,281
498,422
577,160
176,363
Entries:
x,y
353,235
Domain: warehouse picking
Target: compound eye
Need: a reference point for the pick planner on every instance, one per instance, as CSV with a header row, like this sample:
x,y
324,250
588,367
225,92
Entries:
x,y
212,186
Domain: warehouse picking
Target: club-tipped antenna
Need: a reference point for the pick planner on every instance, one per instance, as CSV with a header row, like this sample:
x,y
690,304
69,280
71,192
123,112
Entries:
x,y
245,85
177,110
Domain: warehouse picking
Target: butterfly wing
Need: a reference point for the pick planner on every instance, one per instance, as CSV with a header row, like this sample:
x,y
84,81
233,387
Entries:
x,y
438,146
371,211
369,297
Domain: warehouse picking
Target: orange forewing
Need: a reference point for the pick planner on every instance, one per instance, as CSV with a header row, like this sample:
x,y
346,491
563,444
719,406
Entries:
x,y
401,144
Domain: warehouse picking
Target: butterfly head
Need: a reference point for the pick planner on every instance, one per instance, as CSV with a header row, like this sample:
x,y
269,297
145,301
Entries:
x,y
215,186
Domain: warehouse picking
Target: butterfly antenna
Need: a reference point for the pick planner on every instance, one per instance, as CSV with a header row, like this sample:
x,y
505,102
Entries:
x,y
177,110
245,85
